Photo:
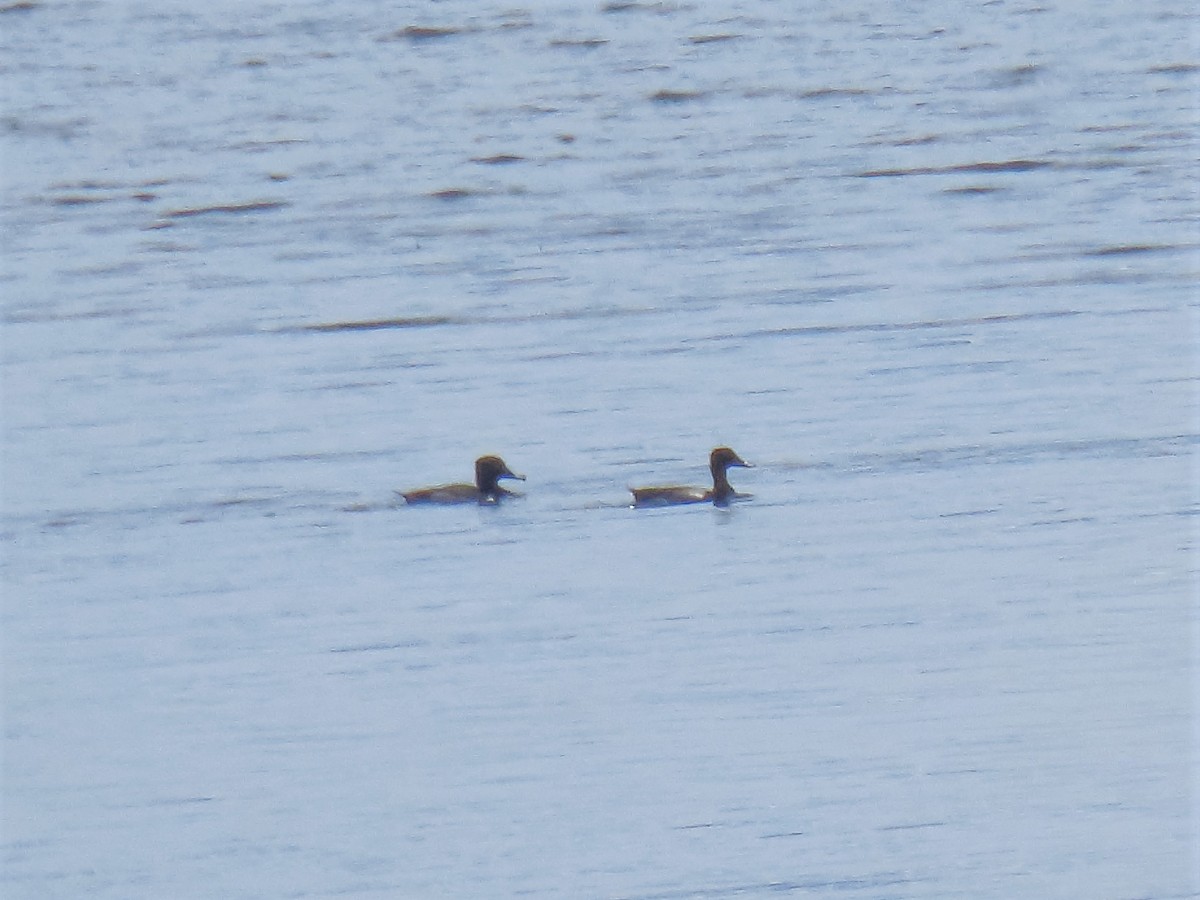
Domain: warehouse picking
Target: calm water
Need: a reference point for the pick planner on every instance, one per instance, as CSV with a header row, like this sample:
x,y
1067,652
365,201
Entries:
x,y
931,267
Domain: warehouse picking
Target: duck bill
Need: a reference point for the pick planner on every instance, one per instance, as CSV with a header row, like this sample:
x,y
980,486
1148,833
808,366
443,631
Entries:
x,y
512,475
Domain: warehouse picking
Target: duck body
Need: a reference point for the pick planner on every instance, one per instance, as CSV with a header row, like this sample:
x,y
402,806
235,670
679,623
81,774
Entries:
x,y
719,462
670,495
488,471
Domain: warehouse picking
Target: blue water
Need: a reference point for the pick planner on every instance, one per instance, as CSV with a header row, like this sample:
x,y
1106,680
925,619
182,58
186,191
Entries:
x,y
932,268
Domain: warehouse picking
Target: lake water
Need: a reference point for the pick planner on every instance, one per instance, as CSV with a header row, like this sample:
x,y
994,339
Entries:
x,y
931,267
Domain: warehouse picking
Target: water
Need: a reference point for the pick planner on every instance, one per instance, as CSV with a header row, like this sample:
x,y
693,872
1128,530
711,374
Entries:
x,y
931,267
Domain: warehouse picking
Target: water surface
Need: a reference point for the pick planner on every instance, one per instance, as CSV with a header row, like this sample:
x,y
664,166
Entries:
x,y
931,268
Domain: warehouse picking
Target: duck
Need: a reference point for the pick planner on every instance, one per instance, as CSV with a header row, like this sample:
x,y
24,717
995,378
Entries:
x,y
488,471
719,461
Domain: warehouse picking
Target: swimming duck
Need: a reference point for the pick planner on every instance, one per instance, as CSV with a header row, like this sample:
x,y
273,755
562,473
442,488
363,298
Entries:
x,y
488,471
722,491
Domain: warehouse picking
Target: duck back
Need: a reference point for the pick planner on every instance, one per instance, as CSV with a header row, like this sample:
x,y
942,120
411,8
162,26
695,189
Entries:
x,y
446,493
669,495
